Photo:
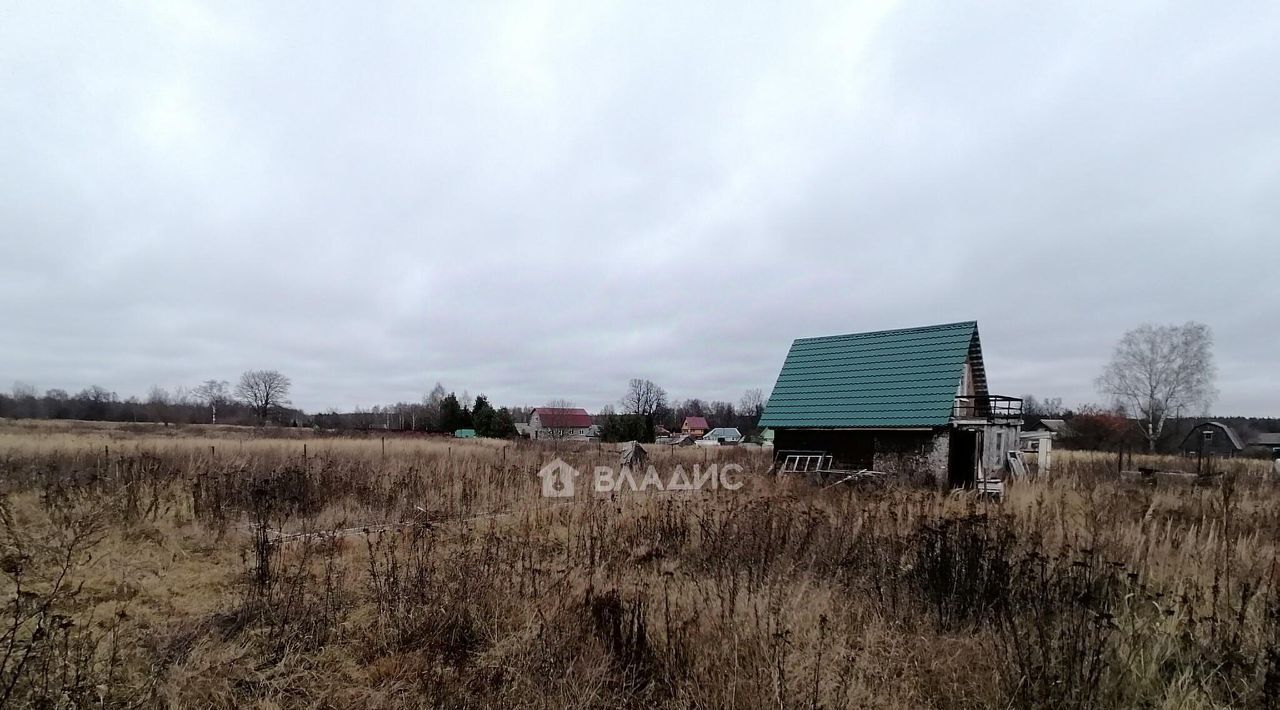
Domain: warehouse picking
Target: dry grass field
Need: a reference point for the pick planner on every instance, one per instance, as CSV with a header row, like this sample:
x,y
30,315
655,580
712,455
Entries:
x,y
219,567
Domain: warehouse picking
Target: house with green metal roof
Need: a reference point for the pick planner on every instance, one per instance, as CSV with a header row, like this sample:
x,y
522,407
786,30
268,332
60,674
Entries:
x,y
912,401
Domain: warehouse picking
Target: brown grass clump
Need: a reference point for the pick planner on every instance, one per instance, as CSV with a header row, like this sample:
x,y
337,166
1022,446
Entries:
x,y
154,570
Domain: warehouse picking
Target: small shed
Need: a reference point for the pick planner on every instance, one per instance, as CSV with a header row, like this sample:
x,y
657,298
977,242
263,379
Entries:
x,y
1059,428
1211,439
633,456
912,401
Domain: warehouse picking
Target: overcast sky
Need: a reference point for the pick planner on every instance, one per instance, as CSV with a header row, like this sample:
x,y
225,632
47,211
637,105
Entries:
x,y
542,200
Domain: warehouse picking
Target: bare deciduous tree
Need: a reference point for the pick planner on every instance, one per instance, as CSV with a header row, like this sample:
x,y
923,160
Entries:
x,y
750,409
643,397
263,391
213,393
158,404
1158,370
1047,407
431,407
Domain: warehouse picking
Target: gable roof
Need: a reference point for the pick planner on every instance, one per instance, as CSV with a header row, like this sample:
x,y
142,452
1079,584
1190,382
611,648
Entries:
x,y
1265,440
563,417
696,423
1057,426
726,432
882,379
1231,434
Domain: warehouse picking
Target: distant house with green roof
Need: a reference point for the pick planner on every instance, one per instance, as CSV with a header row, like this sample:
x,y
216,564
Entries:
x,y
911,401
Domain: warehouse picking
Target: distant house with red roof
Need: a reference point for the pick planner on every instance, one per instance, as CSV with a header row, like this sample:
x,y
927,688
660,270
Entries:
x,y
694,426
561,423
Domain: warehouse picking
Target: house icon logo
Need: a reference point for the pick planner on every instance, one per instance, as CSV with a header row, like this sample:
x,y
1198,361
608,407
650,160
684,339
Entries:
x,y
557,479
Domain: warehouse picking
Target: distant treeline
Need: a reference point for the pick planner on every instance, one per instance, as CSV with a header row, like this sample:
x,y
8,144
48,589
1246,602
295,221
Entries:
x,y
439,411
100,404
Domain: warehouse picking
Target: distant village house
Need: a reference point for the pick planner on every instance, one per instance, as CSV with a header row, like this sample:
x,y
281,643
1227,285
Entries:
x,y
694,426
1269,442
561,423
721,436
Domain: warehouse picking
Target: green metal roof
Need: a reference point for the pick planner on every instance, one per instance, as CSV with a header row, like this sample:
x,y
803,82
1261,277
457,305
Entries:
x,y
885,379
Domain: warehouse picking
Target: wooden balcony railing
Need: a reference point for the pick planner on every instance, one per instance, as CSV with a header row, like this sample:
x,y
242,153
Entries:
x,y
991,406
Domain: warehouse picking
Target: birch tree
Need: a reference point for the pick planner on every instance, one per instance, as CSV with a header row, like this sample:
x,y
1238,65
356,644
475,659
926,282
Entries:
x,y
213,393
1159,370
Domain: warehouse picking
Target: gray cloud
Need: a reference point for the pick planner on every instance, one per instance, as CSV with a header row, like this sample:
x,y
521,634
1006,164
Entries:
x,y
546,199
